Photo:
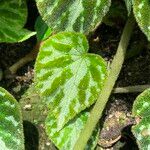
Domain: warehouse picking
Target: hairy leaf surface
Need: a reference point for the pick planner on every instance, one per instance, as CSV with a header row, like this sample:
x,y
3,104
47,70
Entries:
x,y
11,130
43,31
67,76
128,5
66,138
13,14
73,15
142,15
142,129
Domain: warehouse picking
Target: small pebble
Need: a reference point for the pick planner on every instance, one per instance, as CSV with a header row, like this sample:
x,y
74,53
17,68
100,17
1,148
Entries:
x,y
48,143
27,107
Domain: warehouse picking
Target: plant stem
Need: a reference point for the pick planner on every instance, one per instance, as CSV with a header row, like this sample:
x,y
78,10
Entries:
x,y
29,57
99,106
131,89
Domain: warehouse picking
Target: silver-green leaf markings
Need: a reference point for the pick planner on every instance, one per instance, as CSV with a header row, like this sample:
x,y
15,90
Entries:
x,y
73,15
13,14
128,4
11,130
67,76
141,110
142,14
66,138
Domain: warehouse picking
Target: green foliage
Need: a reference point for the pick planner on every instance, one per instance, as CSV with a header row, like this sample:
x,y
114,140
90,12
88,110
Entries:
x,y
114,16
141,111
11,130
13,16
73,15
66,138
43,31
67,76
142,14
128,5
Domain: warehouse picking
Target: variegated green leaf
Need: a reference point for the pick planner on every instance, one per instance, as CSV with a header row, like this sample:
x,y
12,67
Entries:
x,y
128,5
67,76
142,112
43,31
142,14
73,15
13,14
11,130
66,138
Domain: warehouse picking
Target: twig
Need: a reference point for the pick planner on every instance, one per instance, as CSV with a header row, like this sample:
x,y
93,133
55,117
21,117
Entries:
x,y
131,89
99,106
29,57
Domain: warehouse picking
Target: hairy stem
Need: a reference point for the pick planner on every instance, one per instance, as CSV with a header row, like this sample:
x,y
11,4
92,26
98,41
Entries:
x,y
29,57
99,106
131,89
